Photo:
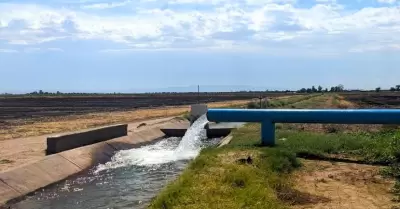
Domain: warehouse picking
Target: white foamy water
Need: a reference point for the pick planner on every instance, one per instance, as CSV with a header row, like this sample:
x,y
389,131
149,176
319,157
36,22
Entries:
x,y
162,152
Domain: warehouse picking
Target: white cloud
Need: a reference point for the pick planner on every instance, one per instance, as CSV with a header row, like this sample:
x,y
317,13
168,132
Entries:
x,y
226,25
387,1
31,50
105,5
266,2
382,47
326,1
211,2
8,51
36,49
55,49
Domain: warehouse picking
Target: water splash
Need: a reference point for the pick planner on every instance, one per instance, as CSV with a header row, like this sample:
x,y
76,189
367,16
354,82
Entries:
x,y
191,142
162,152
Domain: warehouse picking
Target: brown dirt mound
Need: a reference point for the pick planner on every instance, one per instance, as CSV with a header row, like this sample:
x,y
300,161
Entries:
x,y
346,185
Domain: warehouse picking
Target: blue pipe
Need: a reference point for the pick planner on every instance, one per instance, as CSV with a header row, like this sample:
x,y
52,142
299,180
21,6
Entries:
x,y
268,117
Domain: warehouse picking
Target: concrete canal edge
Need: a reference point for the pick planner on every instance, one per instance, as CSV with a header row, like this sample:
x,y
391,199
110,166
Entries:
x,y
21,181
226,140
15,184
60,143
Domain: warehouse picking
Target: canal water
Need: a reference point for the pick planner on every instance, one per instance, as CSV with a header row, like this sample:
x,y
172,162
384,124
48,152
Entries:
x,y
130,180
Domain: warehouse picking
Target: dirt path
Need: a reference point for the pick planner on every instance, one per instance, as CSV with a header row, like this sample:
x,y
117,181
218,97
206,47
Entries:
x,y
343,185
17,152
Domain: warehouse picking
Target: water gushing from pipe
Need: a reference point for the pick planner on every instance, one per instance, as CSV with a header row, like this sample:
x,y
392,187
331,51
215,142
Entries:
x,y
161,152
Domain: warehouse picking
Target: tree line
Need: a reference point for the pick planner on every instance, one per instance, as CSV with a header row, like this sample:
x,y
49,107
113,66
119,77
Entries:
x,y
397,88
41,92
313,89
392,89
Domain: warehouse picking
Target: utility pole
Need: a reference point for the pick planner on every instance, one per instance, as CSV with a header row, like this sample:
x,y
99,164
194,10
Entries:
x,y
198,94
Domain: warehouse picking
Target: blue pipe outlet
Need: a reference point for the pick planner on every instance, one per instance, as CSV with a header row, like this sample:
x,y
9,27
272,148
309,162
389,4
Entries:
x,y
268,117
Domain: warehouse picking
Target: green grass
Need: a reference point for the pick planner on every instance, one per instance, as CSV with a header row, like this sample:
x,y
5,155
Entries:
x,y
382,148
209,183
378,148
186,115
218,179
215,179
373,148
317,101
336,100
5,161
281,101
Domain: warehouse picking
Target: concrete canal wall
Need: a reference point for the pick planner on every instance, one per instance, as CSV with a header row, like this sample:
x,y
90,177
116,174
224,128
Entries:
x,y
20,181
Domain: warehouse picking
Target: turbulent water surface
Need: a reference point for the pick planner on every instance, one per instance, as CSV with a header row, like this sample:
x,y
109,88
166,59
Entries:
x,y
130,180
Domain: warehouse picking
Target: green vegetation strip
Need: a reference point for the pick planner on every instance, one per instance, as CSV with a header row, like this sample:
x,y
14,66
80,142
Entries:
x,y
5,161
227,178
287,101
245,175
231,177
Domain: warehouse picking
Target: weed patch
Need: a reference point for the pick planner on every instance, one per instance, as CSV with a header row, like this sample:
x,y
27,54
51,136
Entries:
x,y
380,148
5,161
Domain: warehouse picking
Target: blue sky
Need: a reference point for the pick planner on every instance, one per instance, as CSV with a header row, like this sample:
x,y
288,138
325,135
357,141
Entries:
x,y
145,45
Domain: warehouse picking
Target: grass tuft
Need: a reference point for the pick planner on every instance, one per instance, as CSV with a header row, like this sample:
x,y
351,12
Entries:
x,y
5,161
280,161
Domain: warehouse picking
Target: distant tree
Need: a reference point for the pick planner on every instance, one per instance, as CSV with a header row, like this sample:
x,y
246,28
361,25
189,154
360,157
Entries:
x,y
332,89
319,88
326,89
58,93
378,89
309,90
313,89
340,88
40,92
397,87
392,89
302,90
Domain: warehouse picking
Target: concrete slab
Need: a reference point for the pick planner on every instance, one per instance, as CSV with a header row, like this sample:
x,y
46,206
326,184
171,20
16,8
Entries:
x,y
88,156
196,111
174,132
175,129
225,141
150,135
60,143
34,176
176,125
7,193
153,123
230,125
126,142
211,133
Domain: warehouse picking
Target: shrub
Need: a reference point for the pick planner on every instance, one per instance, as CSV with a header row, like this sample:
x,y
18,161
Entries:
x,y
252,105
280,161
